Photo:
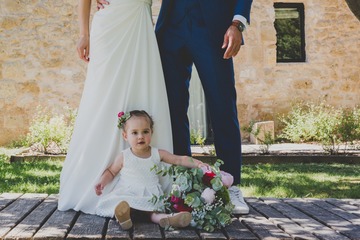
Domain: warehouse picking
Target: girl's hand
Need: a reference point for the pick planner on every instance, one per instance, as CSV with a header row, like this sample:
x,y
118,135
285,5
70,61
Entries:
x,y
83,48
200,163
98,189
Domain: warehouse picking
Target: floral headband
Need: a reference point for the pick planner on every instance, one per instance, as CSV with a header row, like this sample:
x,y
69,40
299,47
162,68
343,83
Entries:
x,y
122,118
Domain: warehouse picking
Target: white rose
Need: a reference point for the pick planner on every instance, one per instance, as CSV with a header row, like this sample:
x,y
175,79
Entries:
x,y
208,195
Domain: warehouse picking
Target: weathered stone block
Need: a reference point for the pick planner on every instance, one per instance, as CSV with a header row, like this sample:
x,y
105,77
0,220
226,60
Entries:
x,y
264,128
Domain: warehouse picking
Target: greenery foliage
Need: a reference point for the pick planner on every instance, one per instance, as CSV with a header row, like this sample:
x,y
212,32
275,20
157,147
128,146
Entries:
x,y
200,192
47,130
196,137
266,141
312,122
288,38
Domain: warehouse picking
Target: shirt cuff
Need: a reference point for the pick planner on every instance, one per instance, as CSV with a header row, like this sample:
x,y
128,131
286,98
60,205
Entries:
x,y
240,18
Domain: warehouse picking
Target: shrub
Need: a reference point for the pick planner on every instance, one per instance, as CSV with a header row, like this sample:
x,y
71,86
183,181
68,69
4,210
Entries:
x,y
308,122
322,123
196,137
51,133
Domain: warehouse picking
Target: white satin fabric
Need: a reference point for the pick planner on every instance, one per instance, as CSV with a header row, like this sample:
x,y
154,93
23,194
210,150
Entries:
x,y
124,74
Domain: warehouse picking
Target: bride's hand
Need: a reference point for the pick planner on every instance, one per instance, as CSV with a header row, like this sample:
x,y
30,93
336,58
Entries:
x,y
83,48
101,3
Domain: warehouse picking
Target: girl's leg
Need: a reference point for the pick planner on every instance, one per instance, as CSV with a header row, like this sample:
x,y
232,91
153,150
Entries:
x,y
181,219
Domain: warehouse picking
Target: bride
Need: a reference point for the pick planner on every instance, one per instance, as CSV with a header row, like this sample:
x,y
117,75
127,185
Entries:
x,y
124,73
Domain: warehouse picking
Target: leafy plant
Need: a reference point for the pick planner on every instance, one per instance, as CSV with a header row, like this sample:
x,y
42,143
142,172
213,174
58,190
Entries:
x,y
322,123
47,132
200,191
196,137
346,130
308,122
267,139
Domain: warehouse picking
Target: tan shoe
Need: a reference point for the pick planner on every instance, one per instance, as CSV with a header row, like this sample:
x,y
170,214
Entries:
x,y
122,215
178,220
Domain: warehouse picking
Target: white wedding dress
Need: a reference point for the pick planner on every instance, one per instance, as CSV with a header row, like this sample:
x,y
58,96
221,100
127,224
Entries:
x,y
124,73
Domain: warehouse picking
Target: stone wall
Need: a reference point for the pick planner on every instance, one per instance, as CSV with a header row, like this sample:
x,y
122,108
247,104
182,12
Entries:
x,y
38,61
39,64
331,71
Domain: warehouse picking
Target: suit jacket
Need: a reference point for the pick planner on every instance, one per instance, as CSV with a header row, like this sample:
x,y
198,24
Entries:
x,y
217,14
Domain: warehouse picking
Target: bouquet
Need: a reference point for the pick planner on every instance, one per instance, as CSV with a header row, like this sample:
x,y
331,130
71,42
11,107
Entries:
x,y
202,192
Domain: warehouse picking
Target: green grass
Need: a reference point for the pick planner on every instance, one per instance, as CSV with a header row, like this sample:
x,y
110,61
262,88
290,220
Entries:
x,y
301,180
31,177
262,180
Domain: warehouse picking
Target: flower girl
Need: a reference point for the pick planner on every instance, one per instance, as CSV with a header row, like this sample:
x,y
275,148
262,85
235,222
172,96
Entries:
x,y
135,183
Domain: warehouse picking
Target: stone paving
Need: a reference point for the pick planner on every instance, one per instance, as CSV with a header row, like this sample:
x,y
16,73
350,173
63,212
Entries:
x,y
283,147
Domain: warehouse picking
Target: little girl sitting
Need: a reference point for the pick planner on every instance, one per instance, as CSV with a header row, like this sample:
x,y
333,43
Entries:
x,y
136,183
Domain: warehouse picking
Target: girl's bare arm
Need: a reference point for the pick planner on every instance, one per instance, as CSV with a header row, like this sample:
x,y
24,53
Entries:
x,y
185,161
109,174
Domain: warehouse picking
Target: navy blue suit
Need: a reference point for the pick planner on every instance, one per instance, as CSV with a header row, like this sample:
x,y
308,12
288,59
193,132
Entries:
x,y
192,32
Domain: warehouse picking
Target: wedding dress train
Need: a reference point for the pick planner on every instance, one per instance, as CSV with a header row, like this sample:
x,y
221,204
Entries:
x,y
124,73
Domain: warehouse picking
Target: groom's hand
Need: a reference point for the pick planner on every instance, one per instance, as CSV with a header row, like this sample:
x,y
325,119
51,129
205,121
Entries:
x,y
101,3
232,42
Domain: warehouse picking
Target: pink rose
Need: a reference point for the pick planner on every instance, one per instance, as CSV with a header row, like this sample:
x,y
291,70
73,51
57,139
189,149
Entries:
x,y
227,179
120,114
208,195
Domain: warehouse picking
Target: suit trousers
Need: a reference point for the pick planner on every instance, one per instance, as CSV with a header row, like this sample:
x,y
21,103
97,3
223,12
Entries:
x,y
181,45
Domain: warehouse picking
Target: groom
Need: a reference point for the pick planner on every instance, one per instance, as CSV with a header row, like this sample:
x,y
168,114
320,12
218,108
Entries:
x,y
207,33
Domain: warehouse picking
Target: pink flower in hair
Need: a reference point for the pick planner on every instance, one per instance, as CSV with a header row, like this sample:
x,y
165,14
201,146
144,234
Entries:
x,y
120,114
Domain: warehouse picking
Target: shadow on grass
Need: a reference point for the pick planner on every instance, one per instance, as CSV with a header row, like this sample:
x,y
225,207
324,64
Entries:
x,y
36,177
301,180
262,180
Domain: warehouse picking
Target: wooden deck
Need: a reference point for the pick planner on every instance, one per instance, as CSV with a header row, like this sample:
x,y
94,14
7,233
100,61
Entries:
x,y
35,216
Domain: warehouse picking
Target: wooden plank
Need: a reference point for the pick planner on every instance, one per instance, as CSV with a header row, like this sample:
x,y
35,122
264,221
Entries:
x,y
355,202
338,211
178,234
213,235
236,230
57,226
327,217
283,222
346,205
7,198
309,224
18,210
261,226
27,227
114,231
88,226
146,230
